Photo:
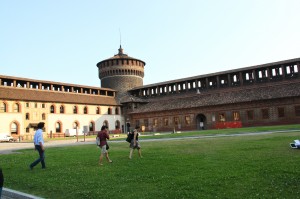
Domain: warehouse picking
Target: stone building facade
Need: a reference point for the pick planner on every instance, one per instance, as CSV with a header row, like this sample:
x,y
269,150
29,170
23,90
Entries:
x,y
63,107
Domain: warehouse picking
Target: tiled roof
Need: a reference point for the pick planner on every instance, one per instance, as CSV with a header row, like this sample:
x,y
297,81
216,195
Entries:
x,y
12,93
129,98
52,82
221,97
121,55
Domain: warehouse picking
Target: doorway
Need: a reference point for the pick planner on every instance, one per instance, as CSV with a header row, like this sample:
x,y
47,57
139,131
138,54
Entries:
x,y
201,122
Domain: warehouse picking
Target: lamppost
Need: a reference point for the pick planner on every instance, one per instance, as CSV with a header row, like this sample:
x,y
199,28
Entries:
x,y
77,132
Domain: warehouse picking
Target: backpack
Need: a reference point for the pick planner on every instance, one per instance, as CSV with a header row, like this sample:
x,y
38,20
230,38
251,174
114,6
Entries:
x,y
129,137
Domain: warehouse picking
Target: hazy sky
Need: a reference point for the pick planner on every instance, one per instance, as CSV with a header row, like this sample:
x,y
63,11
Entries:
x,y
63,40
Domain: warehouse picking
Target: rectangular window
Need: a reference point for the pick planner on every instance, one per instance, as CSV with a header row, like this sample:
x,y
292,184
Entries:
x,y
265,113
43,106
27,105
222,117
250,115
236,116
280,112
213,118
27,130
176,120
137,122
297,110
35,105
166,121
2,108
155,122
146,122
187,120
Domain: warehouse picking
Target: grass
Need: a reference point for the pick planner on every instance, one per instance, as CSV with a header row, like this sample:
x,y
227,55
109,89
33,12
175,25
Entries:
x,y
261,166
150,135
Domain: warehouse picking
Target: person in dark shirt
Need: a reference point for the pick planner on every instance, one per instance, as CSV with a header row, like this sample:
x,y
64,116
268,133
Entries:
x,y
135,143
1,181
103,135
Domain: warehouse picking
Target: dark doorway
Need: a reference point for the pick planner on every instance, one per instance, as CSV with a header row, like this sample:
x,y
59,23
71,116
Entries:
x,y
201,122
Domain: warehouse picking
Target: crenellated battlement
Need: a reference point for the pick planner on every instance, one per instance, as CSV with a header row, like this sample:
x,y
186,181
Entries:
x,y
266,73
121,72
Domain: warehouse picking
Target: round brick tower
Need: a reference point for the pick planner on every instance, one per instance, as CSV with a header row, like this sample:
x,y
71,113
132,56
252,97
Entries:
x,y
121,72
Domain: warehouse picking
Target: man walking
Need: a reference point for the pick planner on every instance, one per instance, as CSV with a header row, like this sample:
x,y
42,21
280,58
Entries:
x,y
39,146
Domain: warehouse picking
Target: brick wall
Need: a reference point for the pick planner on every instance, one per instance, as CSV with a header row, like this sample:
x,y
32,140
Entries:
x,y
212,111
121,83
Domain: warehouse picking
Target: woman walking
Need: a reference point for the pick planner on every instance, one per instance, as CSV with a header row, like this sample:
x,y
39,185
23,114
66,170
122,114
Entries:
x,y
103,136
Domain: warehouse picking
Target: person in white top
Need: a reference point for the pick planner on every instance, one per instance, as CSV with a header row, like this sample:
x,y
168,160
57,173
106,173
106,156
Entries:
x,y
38,141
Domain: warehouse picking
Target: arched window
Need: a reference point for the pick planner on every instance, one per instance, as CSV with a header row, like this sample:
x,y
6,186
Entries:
x,y
57,127
3,107
16,108
92,126
43,116
117,111
14,128
75,109
85,110
105,123
98,110
62,109
117,124
109,111
52,109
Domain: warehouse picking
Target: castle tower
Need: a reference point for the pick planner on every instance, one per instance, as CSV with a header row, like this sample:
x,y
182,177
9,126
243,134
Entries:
x,y
121,72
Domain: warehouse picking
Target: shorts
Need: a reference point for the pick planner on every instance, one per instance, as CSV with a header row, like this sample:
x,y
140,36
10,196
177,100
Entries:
x,y
137,146
103,149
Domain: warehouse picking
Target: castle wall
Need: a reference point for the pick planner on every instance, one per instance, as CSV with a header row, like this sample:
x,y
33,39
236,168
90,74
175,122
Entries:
x,y
177,119
267,94
121,83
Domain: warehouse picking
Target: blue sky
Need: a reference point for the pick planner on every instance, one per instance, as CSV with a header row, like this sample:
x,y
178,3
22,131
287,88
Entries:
x,y
63,40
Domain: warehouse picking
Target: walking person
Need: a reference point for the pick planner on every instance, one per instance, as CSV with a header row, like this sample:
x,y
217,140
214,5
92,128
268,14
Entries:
x,y
1,181
103,136
134,144
39,146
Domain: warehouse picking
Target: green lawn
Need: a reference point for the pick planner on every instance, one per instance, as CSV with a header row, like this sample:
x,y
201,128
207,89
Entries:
x,y
260,166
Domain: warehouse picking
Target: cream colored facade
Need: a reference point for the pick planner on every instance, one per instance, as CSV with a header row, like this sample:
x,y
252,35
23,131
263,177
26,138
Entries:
x,y
60,106
19,118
